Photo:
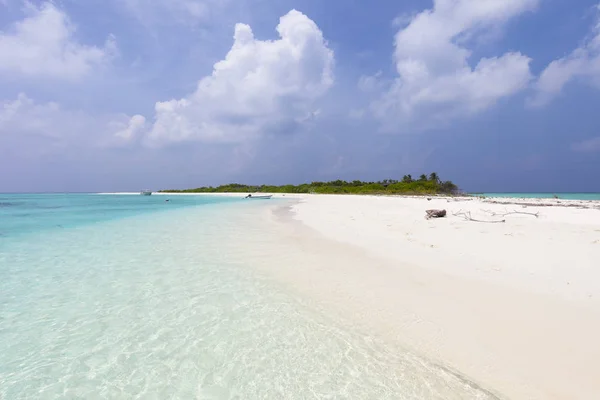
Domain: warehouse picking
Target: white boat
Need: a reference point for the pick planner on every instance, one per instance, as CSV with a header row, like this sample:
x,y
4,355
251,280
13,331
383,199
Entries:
x,y
146,192
259,196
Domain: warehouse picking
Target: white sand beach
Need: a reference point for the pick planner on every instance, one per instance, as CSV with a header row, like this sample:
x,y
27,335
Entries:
x,y
514,306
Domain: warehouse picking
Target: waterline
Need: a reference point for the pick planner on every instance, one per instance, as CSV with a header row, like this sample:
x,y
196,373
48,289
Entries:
x,y
563,196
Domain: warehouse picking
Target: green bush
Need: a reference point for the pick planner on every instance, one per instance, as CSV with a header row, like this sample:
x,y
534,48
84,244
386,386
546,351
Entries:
x,y
423,186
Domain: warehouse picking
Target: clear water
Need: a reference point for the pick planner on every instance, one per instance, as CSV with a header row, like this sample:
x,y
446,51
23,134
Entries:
x,y
564,196
31,213
124,297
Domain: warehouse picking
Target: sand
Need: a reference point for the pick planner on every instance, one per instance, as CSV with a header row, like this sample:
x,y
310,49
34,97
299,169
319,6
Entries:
x,y
515,306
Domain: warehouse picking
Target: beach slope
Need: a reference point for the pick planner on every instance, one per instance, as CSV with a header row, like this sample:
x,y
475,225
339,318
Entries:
x,y
514,305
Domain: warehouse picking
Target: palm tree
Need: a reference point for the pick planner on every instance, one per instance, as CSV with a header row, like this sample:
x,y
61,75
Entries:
x,y
423,178
448,187
407,179
434,177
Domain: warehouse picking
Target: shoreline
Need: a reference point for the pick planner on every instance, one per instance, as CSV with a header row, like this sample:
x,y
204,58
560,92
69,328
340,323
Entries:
x,y
472,296
504,310
527,201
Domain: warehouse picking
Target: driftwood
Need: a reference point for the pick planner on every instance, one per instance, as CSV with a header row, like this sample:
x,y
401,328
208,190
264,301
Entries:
x,y
504,214
435,214
460,199
466,215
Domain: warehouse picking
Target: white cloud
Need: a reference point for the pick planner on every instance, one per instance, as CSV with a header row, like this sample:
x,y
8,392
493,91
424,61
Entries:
x,y
369,83
583,63
435,79
130,129
43,44
27,121
32,130
587,146
24,116
261,87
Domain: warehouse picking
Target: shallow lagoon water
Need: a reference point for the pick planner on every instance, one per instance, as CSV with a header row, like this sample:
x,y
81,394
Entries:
x,y
162,303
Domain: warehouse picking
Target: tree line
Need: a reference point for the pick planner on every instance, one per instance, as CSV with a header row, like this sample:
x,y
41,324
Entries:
x,y
425,184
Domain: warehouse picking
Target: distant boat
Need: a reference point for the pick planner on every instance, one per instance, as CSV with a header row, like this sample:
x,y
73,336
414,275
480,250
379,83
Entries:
x,y
259,197
146,192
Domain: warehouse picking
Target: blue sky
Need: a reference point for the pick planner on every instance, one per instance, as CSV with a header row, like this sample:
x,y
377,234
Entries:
x,y
496,95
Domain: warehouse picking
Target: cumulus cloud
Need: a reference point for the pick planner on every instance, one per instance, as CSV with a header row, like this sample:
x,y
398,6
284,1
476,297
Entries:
x,y
130,129
261,87
435,79
583,63
370,83
27,121
48,144
43,44
24,116
29,130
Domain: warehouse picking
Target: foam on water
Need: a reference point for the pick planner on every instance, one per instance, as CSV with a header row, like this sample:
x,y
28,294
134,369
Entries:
x,y
156,306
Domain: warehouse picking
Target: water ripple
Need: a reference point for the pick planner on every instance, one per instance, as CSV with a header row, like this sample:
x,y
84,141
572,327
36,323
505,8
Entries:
x,y
155,308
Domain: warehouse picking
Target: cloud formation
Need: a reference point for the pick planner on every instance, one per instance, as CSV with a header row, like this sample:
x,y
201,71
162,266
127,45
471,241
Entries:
x,y
260,88
43,44
583,63
24,120
129,130
435,80
23,116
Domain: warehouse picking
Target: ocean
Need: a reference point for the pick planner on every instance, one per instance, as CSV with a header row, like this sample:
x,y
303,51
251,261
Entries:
x,y
563,196
134,297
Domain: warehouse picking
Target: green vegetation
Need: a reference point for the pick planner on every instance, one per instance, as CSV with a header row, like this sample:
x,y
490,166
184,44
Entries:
x,y
423,186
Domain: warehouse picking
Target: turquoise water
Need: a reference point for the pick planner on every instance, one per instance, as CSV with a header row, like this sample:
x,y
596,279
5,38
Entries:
x,y
564,196
126,297
31,213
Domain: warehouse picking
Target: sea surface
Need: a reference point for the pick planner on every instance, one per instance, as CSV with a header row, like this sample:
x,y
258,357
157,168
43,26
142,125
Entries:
x,y
564,196
134,297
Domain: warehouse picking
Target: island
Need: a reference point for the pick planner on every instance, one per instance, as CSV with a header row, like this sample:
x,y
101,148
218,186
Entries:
x,y
425,185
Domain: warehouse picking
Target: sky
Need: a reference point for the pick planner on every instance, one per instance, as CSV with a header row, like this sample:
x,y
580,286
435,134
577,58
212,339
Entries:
x,y
124,95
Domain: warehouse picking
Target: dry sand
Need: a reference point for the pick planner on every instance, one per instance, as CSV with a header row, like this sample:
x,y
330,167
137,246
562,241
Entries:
x,y
515,306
